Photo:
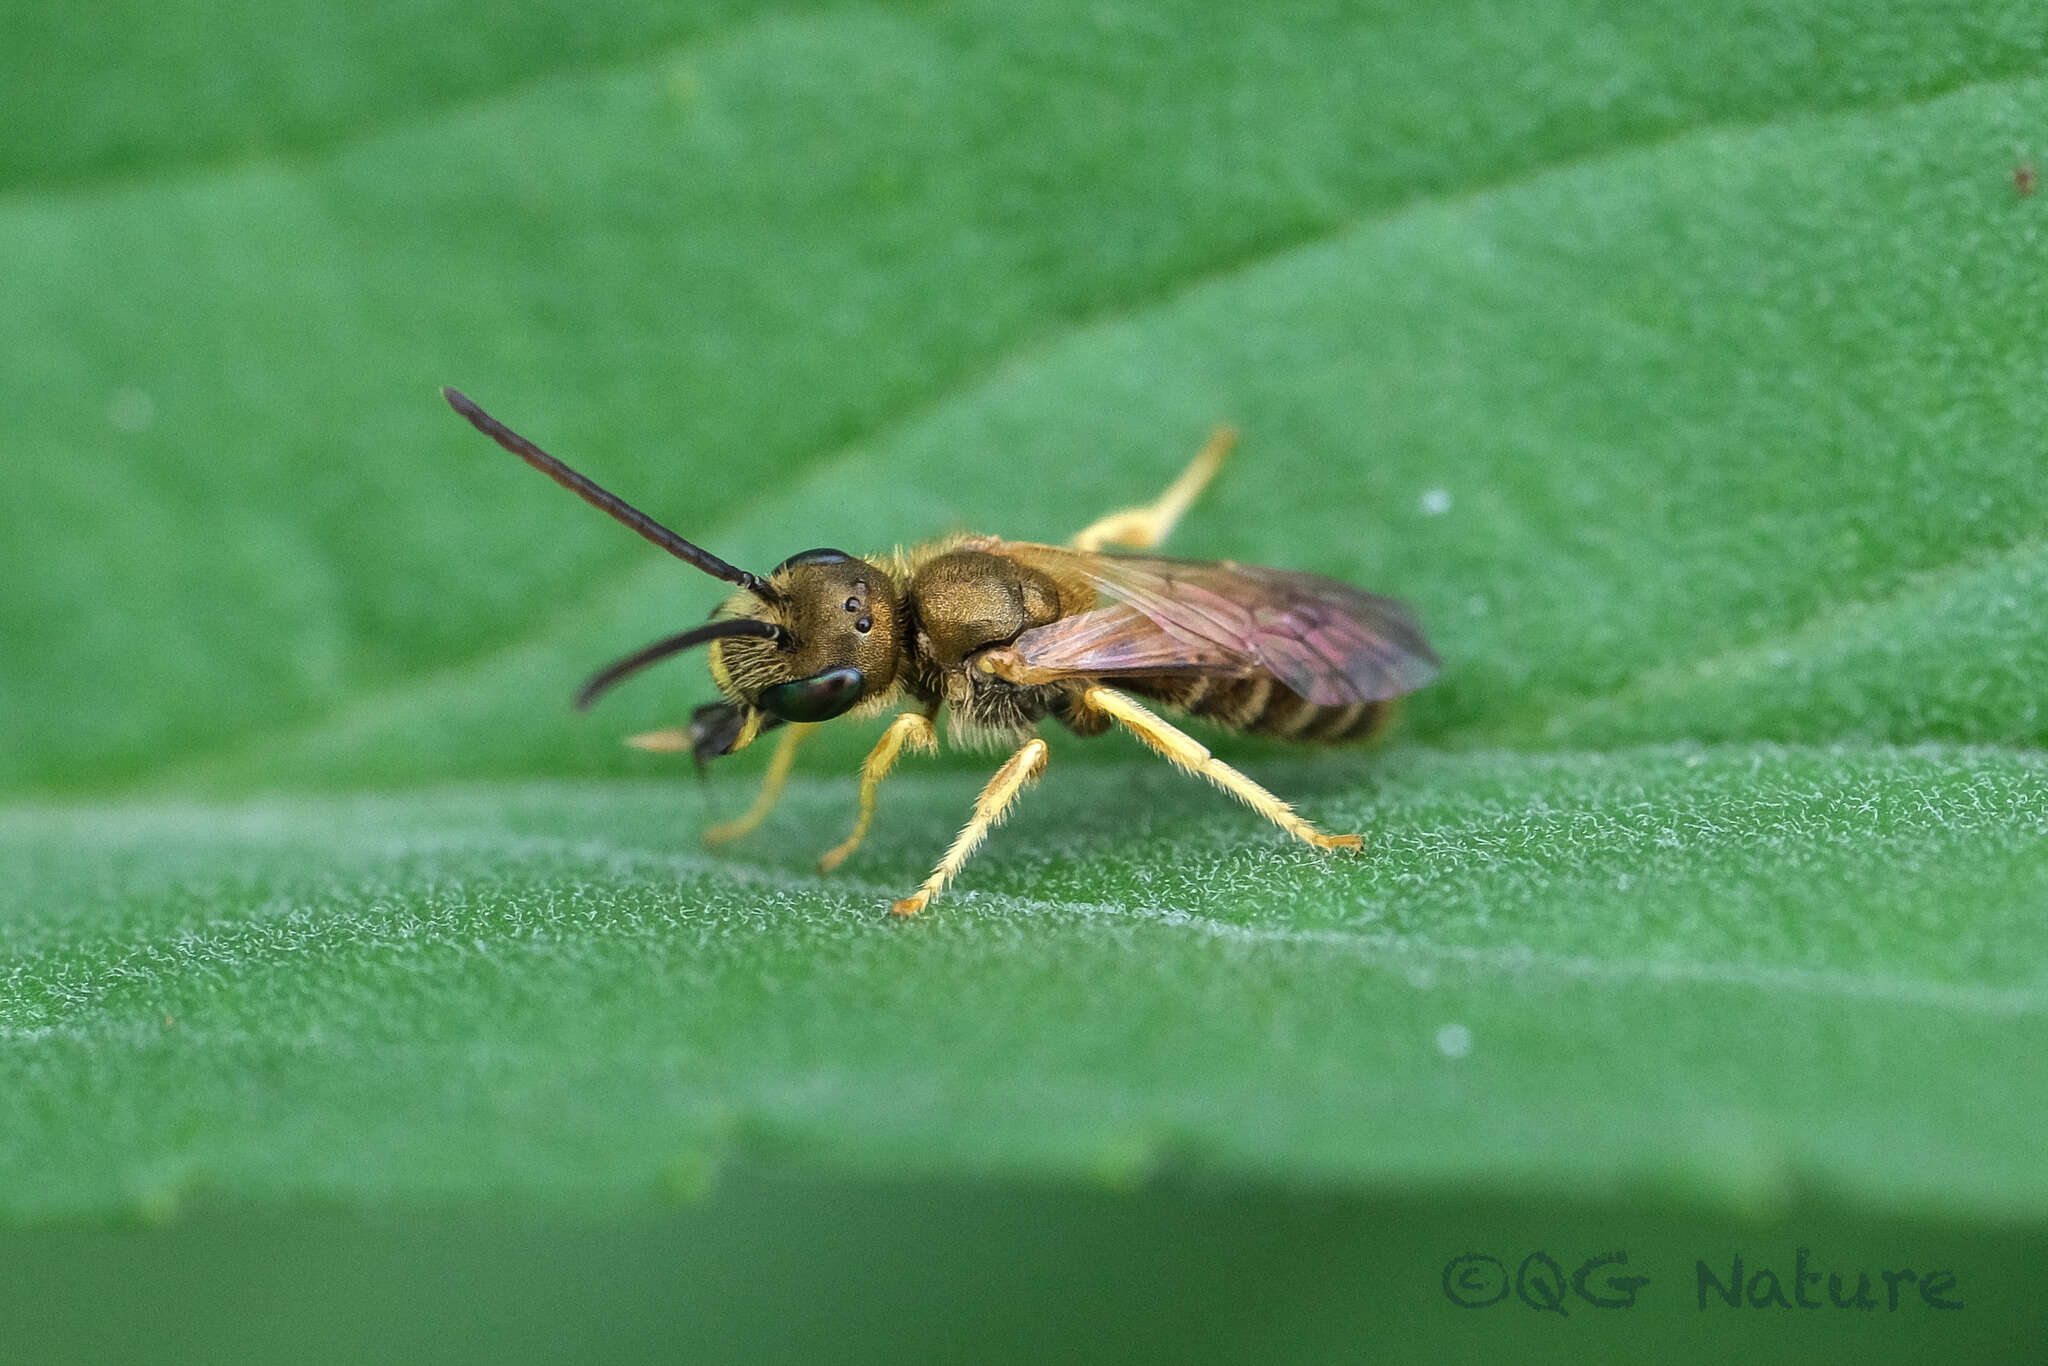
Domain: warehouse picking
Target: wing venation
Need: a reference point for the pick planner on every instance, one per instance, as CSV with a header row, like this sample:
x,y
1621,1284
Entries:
x,y
1327,641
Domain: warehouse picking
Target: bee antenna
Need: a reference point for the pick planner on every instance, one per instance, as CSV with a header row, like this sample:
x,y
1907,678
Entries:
x,y
611,504
603,680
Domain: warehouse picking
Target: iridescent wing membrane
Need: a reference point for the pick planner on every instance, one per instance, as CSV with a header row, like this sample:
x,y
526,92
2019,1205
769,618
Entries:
x,y
1325,640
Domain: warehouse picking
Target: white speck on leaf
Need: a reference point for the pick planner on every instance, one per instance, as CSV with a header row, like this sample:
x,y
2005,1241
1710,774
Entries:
x,y
131,410
1454,1040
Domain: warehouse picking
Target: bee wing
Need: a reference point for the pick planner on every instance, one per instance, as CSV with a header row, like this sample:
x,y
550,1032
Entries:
x,y
1119,639
1327,641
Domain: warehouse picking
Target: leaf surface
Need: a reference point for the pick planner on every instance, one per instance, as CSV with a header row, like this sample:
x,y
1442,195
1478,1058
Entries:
x,y
1682,368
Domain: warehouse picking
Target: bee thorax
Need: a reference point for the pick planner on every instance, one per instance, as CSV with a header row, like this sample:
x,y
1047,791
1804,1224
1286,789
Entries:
x,y
968,600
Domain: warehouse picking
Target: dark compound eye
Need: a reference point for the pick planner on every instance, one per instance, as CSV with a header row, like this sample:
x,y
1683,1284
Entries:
x,y
813,557
818,698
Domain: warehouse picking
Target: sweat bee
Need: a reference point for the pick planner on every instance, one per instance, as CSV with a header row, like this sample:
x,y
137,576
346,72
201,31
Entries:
x,y
1003,634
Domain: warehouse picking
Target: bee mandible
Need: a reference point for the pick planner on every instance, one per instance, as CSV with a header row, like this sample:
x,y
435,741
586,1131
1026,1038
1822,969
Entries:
x,y
1000,635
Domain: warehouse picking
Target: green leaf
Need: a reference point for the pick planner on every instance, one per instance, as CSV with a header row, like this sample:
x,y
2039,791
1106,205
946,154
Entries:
x,y
1691,967
1681,366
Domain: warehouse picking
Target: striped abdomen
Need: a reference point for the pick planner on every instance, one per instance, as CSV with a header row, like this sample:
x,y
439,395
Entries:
x,y
1262,706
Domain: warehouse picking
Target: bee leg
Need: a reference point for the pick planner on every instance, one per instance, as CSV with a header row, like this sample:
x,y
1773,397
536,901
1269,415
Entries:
x,y
674,740
1141,528
772,783
912,729
1186,753
1018,772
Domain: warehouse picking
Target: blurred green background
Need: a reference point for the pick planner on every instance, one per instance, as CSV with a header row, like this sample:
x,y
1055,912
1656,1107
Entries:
x,y
1682,365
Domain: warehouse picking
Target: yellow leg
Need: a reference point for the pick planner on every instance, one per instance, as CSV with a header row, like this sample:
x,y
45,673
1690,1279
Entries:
x,y
674,740
772,783
912,729
1191,756
1018,772
1141,528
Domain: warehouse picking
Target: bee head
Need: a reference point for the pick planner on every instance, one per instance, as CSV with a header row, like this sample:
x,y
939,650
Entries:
x,y
805,644
834,644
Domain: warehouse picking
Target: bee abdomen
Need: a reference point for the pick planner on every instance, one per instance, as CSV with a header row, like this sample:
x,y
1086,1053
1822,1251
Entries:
x,y
1262,706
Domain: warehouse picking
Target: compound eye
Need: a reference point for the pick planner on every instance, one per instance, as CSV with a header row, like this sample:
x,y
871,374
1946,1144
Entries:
x,y
818,698
812,557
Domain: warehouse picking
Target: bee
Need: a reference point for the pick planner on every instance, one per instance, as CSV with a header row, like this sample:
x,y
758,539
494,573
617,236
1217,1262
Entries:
x,y
1001,635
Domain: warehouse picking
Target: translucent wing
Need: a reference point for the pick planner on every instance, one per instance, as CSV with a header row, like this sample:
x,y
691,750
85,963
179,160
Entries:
x,y
1325,640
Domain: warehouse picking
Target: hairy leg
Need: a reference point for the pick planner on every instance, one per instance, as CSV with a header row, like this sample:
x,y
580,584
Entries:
x,y
1141,528
772,783
913,729
1184,752
1018,772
